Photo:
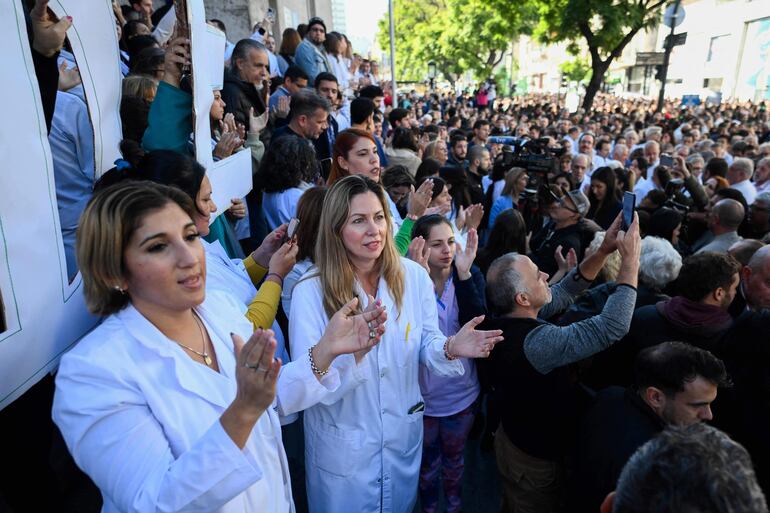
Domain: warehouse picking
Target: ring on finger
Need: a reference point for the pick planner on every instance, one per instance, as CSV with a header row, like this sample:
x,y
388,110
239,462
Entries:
x,y
372,334
255,368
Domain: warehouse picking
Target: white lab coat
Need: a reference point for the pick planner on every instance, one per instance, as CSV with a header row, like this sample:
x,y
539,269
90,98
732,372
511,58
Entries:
x,y
141,418
362,445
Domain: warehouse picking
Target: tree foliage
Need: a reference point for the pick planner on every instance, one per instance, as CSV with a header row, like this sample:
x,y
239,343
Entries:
x,y
459,35
576,70
606,27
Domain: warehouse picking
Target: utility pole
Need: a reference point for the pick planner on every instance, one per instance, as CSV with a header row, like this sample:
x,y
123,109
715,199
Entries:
x,y
666,57
392,54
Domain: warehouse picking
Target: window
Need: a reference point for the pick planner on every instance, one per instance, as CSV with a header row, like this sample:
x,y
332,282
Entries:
x,y
718,47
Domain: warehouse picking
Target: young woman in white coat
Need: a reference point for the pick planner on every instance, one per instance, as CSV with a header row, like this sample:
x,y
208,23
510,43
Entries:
x,y
363,441
163,405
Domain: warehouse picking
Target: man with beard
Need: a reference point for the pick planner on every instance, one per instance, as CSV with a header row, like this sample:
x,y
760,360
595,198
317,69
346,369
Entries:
x,y
674,384
458,150
479,161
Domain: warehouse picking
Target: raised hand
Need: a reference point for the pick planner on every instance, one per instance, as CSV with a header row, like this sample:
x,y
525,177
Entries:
x,y
257,123
237,208
472,343
48,32
228,143
473,216
256,372
229,123
419,252
349,332
270,245
176,59
284,259
420,199
284,106
464,257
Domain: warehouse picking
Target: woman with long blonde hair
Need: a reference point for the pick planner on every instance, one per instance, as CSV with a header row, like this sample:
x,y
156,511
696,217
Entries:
x,y
364,438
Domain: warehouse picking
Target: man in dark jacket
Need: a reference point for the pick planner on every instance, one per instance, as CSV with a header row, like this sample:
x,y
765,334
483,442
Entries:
x,y
245,85
707,284
565,229
675,384
529,368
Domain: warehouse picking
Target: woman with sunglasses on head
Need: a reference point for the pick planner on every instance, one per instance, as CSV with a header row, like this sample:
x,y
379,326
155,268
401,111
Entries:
x,y
363,440
164,405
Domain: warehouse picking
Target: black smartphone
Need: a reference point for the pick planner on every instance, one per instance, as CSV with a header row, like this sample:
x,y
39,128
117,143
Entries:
x,y
667,160
629,202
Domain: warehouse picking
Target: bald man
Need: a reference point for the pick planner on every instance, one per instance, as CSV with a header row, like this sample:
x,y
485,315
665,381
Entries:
x,y
723,221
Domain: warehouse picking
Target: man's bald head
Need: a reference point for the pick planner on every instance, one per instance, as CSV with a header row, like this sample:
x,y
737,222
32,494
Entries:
x,y
728,213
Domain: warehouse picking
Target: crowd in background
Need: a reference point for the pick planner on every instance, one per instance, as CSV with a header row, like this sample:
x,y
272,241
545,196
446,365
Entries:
x,y
411,269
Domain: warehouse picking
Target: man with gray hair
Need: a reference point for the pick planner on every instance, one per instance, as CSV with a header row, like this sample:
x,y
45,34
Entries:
x,y
723,222
245,87
762,176
688,469
529,368
739,175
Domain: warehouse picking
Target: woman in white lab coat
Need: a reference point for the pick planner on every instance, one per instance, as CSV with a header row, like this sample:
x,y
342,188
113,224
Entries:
x,y
363,441
163,405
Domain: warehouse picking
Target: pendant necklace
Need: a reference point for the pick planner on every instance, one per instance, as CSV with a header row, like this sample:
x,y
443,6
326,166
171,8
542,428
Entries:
x,y
205,355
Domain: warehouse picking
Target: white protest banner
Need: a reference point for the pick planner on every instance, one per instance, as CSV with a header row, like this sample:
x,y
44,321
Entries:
x,y
95,46
44,313
231,177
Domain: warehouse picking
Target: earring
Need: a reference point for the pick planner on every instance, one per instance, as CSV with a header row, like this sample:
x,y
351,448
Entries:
x,y
117,287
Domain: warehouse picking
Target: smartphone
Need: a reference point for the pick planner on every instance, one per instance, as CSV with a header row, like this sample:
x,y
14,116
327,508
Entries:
x,y
629,202
666,160
292,229
270,15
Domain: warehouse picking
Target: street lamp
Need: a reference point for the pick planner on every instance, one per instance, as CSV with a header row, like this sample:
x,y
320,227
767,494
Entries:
x,y
432,71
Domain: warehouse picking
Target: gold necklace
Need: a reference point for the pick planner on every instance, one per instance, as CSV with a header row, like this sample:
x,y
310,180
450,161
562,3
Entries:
x,y
206,357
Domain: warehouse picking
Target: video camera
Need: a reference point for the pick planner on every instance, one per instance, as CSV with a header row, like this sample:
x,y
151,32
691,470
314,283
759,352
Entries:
x,y
534,155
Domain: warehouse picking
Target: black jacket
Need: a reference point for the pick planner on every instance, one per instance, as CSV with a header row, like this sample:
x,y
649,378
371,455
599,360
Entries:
x,y
617,424
545,242
239,97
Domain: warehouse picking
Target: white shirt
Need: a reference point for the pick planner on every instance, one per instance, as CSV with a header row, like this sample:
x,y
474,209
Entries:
x,y
748,190
363,442
280,207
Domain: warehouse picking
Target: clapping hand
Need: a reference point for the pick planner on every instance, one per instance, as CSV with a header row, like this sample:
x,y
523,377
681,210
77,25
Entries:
x,y
257,123
228,143
420,199
473,216
270,245
464,258
237,208
472,343
284,106
256,371
349,332
419,252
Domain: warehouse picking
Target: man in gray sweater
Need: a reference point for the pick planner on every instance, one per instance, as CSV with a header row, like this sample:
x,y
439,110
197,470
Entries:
x,y
528,370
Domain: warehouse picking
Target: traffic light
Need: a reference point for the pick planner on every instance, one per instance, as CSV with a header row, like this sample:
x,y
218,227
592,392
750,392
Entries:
x,y
659,72
564,81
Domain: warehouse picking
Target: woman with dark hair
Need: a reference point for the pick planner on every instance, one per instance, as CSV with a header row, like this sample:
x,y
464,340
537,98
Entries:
x,y
404,150
149,62
666,223
271,261
450,402
565,181
286,172
398,183
509,233
603,195
428,168
290,40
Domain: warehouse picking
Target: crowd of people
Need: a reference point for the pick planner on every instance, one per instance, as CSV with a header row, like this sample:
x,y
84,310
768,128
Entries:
x,y
410,270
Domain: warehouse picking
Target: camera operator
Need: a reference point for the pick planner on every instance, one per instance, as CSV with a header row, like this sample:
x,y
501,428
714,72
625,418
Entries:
x,y
566,227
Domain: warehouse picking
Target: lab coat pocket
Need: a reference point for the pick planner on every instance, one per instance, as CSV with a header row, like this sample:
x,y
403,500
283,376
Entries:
x,y
333,449
414,432
409,345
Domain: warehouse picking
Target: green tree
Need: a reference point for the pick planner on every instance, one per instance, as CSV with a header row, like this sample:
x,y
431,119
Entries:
x,y
576,70
606,27
459,35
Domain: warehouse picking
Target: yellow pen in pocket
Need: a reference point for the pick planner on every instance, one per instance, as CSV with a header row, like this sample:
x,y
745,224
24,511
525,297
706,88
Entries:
x,y
408,327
